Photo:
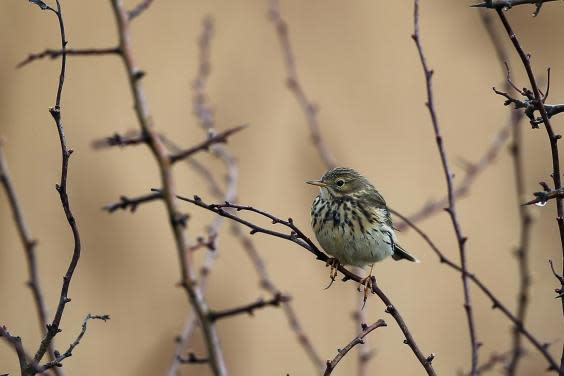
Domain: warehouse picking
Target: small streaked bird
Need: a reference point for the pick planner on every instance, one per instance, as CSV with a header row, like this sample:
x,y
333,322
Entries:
x,y
352,222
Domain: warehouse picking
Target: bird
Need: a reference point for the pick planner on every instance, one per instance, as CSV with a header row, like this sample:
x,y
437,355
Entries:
x,y
352,223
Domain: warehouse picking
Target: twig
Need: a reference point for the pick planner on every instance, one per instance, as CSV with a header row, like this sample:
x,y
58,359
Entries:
x,y
60,357
461,239
298,237
126,203
496,303
192,358
139,8
542,197
53,54
16,343
359,339
309,109
205,145
128,139
506,4
249,308
29,245
187,274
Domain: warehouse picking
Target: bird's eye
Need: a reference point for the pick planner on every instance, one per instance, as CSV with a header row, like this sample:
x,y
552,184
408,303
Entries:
x,y
340,182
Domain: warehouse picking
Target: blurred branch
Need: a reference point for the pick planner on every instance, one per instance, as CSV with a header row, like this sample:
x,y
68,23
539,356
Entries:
x,y
506,4
54,53
162,157
191,358
359,339
496,303
525,219
267,284
461,239
309,109
60,357
139,8
29,245
130,138
249,308
364,352
298,237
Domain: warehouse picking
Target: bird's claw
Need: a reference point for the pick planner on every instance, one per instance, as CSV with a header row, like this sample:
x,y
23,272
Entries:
x,y
334,264
367,285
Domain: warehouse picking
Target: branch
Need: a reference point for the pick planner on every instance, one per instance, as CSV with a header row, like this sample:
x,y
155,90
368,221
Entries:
x,y
139,8
162,158
530,107
309,109
53,327
553,138
543,197
131,204
53,54
496,303
191,358
60,357
298,237
359,339
29,245
25,360
205,145
461,239
128,139
249,308
506,4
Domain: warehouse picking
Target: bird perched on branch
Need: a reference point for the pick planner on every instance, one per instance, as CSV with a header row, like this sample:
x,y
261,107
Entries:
x,y
352,223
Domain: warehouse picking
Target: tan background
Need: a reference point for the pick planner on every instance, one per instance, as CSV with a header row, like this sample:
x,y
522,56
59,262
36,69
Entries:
x,y
359,64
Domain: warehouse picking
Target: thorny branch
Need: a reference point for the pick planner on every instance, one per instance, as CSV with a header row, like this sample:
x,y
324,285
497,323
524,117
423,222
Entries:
x,y
162,157
539,99
249,308
496,303
53,54
359,339
461,239
506,4
298,237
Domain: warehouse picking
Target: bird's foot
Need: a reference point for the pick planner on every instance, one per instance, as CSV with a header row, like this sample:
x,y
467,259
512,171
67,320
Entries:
x,y
367,285
334,264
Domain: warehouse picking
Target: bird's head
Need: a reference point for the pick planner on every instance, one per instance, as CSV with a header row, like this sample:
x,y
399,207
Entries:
x,y
342,181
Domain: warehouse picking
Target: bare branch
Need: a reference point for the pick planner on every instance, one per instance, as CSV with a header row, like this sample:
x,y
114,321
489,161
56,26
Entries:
x,y
128,139
53,54
60,357
187,274
461,239
359,339
192,358
139,8
205,145
249,308
309,109
131,204
506,4
29,245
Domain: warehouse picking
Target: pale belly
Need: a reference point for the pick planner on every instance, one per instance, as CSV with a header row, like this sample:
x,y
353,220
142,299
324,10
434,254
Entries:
x,y
353,247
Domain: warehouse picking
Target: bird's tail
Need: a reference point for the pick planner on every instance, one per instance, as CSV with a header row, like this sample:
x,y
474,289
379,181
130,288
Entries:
x,y
402,254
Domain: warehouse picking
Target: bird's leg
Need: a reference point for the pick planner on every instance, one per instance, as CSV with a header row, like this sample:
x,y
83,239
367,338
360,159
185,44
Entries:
x,y
367,284
334,264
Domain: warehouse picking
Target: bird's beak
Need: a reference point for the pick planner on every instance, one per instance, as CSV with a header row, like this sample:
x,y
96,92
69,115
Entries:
x,y
319,183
